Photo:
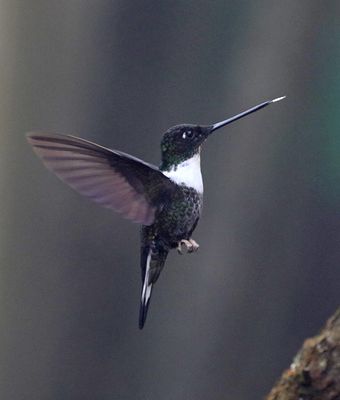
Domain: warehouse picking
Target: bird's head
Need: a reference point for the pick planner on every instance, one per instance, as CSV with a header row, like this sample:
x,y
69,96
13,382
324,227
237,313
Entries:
x,y
181,142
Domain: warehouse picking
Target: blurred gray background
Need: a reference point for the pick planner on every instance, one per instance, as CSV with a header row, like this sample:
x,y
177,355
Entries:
x,y
225,322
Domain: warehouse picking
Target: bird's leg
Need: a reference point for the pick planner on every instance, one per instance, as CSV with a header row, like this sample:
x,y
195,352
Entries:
x,y
184,242
190,245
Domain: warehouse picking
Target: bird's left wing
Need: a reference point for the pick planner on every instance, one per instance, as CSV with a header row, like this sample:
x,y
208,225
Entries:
x,y
111,178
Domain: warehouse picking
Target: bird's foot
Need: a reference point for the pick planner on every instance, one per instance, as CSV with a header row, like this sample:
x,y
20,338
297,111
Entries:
x,y
191,246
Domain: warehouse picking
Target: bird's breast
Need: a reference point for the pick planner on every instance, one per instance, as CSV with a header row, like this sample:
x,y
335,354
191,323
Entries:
x,y
187,173
179,217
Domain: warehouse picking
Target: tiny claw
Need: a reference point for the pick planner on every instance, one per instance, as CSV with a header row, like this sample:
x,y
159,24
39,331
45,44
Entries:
x,y
190,245
194,244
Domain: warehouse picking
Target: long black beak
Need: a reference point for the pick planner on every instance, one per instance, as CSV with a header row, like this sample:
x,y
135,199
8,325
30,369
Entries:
x,y
244,113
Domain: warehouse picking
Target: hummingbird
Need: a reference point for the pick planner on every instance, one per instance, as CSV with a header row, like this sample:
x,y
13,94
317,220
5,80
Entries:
x,y
166,201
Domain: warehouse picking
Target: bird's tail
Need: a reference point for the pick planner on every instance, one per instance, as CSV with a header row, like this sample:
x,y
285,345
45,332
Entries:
x,y
152,262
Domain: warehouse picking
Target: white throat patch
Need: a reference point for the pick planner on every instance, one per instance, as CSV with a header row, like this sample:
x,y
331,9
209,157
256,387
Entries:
x,y
188,173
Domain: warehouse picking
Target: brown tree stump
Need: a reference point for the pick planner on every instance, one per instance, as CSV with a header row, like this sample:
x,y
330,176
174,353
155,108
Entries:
x,y
315,371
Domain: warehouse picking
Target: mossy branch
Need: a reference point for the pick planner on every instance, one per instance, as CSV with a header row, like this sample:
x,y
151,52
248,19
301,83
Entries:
x,y
315,371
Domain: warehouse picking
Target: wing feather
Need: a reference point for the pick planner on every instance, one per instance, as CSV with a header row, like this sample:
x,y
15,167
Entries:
x,y
110,178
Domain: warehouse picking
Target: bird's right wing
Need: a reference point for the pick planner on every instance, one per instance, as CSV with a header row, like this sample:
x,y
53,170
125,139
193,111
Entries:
x,y
110,178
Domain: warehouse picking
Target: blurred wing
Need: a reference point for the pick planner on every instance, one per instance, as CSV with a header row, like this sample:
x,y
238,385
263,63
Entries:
x,y
110,178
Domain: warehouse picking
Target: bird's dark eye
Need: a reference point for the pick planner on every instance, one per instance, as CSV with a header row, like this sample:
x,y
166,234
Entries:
x,y
187,134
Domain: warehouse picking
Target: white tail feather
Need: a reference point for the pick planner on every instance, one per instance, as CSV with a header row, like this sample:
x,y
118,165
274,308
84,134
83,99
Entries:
x,y
147,286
